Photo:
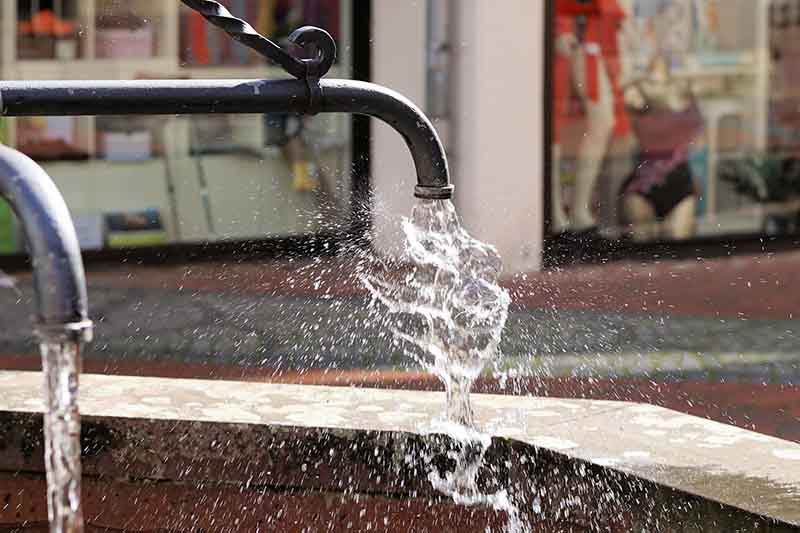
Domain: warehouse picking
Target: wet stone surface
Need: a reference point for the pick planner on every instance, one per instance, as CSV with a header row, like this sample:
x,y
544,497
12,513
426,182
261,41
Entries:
x,y
286,333
606,465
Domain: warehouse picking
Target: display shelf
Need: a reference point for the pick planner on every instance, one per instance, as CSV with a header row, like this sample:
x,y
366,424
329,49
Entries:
x,y
160,17
715,71
54,138
131,68
164,17
87,69
46,30
236,198
234,180
235,72
157,17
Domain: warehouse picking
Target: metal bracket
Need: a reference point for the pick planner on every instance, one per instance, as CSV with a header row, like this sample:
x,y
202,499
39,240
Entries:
x,y
318,46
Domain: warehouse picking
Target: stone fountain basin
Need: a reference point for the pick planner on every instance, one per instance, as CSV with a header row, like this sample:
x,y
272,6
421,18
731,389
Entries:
x,y
193,455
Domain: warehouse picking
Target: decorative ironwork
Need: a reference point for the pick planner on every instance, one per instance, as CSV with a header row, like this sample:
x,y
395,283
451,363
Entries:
x,y
319,46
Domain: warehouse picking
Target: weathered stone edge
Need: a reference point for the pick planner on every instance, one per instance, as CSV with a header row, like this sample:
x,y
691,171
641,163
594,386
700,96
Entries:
x,y
545,484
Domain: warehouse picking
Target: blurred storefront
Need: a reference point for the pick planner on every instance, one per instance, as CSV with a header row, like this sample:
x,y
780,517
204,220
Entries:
x,y
148,182
666,125
674,120
574,127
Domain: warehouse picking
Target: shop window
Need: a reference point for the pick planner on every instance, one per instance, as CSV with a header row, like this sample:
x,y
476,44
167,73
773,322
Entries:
x,y
675,119
149,181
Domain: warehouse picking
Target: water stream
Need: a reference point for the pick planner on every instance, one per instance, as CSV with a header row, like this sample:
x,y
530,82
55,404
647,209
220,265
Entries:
x,y
451,310
450,313
60,363
462,483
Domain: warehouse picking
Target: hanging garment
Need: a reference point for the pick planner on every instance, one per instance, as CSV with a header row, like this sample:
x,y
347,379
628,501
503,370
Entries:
x,y
663,174
574,8
216,40
561,76
240,54
267,24
312,12
333,20
566,15
601,45
198,29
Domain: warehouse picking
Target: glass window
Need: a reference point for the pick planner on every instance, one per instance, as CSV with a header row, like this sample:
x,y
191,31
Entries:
x,y
155,180
674,119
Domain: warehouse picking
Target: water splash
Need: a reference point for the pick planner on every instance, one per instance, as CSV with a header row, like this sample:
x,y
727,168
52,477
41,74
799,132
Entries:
x,y
452,309
60,363
451,312
461,484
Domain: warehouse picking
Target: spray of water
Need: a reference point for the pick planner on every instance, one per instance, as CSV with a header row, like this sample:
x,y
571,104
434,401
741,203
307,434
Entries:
x,y
461,483
451,313
62,436
449,301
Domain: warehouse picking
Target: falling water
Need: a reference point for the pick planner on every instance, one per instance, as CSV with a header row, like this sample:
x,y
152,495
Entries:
x,y
461,484
449,299
451,313
60,362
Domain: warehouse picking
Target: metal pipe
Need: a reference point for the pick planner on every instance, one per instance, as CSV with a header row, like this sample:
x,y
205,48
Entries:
x,y
58,275
153,97
62,323
427,151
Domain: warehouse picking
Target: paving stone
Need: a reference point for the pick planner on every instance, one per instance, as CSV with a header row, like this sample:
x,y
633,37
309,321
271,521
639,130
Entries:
x,y
302,332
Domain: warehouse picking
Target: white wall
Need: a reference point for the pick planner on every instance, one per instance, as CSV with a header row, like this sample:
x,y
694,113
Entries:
x,y
398,62
497,123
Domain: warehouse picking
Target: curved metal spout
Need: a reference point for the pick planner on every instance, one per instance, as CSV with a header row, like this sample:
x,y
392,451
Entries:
x,y
58,275
159,97
62,324
430,161
343,96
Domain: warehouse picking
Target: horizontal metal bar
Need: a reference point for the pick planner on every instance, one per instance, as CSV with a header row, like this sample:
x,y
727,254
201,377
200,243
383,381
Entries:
x,y
151,97
159,97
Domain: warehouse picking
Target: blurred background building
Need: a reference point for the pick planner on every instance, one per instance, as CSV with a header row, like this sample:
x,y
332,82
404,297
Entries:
x,y
615,128
145,182
654,137
593,128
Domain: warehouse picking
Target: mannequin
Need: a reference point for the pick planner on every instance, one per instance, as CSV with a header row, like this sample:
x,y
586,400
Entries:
x,y
587,33
659,198
566,44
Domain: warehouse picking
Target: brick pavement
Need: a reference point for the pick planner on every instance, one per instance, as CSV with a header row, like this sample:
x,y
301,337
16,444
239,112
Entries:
x,y
285,320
